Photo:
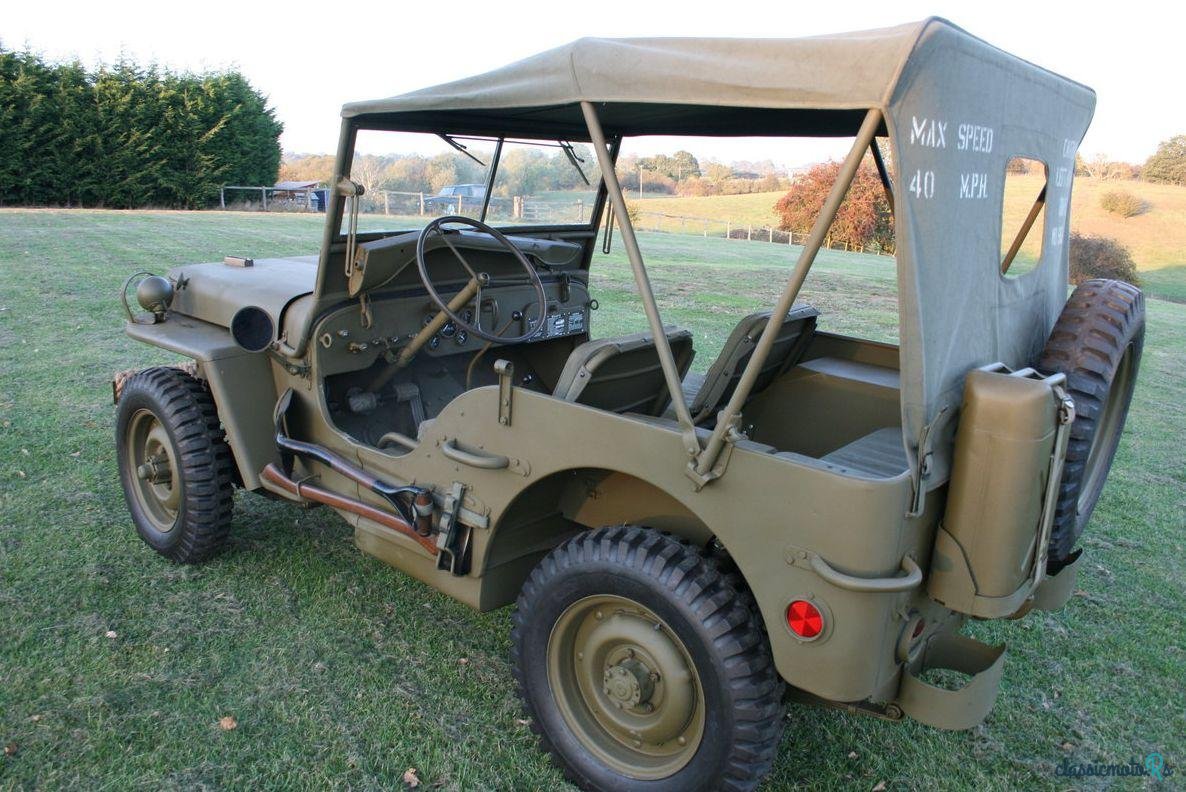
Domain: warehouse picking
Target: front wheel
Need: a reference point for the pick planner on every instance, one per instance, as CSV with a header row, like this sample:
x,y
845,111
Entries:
x,y
643,667
174,464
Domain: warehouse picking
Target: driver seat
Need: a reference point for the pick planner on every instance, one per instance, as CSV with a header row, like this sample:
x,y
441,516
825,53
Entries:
x,y
623,374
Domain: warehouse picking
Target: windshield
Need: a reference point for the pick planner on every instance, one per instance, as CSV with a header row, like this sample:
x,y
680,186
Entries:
x,y
411,178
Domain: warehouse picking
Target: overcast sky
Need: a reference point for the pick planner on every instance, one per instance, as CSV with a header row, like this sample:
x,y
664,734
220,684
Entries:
x,y
310,58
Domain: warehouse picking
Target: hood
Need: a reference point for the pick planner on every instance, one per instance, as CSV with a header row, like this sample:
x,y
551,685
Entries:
x,y
214,292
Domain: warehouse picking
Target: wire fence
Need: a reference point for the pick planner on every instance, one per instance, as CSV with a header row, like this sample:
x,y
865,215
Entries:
x,y
559,208
518,208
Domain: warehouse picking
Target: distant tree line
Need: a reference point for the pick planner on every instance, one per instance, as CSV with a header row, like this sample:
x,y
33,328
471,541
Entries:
x,y
527,170
123,136
682,173
522,170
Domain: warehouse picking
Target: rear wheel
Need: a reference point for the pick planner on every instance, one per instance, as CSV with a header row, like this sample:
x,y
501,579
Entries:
x,y
644,668
1097,343
174,464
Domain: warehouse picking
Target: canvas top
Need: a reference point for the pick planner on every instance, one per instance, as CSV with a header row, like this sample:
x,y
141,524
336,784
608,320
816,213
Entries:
x,y
816,85
956,110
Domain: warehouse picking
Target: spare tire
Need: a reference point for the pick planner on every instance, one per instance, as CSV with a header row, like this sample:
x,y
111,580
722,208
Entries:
x,y
1097,343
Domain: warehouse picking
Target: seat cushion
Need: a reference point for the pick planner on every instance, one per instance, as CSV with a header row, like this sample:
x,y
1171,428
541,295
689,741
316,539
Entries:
x,y
879,454
692,384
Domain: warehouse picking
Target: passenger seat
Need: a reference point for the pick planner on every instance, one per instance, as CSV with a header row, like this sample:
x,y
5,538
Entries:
x,y
623,374
706,393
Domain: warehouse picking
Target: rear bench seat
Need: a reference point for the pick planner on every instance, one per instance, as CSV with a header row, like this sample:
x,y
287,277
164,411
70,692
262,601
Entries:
x,y
878,454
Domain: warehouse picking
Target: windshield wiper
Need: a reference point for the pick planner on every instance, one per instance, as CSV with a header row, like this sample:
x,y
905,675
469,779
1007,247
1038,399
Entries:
x,y
462,148
576,161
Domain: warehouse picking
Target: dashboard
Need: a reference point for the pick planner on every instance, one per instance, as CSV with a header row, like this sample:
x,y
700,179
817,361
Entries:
x,y
344,345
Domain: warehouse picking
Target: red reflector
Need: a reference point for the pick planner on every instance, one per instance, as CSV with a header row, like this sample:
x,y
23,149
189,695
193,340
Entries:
x,y
804,619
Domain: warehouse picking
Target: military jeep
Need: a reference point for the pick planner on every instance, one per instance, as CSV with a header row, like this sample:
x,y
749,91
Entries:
x,y
810,519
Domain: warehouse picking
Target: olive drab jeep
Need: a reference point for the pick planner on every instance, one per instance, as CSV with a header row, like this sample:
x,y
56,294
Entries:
x,y
811,519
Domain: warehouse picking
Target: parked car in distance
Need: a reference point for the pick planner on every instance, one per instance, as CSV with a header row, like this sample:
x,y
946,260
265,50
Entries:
x,y
455,196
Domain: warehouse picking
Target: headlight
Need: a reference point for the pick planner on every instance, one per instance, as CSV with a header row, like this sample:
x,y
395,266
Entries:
x,y
154,293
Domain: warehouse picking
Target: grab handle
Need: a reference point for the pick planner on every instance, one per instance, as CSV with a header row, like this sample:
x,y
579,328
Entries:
x,y
912,577
485,461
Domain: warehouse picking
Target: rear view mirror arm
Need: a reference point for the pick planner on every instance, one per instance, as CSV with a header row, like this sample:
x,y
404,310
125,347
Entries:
x,y
460,147
490,179
576,161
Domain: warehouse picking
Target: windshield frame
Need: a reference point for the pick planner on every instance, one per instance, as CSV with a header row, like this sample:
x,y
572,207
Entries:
x,y
336,209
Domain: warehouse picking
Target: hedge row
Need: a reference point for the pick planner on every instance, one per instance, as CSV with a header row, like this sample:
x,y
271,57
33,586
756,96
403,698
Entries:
x,y
125,136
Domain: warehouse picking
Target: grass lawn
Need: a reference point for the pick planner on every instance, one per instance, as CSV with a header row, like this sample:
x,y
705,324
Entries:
x,y
1156,238
116,666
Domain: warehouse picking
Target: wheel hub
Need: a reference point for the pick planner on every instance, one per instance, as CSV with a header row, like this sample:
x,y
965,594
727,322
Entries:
x,y
157,486
626,684
629,684
155,470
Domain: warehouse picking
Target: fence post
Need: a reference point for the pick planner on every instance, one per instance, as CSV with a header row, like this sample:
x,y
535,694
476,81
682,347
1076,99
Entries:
x,y
749,232
222,198
728,229
421,203
771,234
386,203
264,192
706,229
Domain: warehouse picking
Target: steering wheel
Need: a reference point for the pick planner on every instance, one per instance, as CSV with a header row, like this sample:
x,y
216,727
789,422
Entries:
x,y
480,279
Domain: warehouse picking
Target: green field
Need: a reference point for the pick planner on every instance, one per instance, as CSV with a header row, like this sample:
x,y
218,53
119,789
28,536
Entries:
x,y
340,672
1156,238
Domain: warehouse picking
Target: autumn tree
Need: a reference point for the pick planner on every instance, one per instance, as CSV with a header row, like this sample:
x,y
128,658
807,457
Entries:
x,y
864,216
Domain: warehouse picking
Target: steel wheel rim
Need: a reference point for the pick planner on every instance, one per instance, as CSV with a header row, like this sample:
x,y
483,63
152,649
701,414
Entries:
x,y
626,685
152,465
1107,430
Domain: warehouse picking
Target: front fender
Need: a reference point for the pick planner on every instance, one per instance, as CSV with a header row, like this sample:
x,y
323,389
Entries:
x,y
241,383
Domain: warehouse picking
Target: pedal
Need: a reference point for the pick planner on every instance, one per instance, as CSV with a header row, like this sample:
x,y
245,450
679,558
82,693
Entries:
x,y
409,393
